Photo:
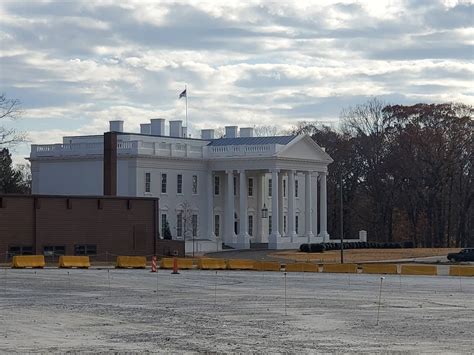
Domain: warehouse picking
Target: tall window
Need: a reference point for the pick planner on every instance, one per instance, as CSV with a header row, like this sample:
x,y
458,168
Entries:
x,y
269,224
179,184
147,182
284,224
250,226
250,187
179,224
235,186
296,188
217,185
195,184
217,225
163,183
296,224
163,224
194,221
269,187
284,188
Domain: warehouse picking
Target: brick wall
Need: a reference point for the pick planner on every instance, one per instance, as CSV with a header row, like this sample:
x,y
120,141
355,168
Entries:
x,y
115,225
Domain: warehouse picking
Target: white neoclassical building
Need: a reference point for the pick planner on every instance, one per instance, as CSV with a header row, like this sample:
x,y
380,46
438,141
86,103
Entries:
x,y
237,190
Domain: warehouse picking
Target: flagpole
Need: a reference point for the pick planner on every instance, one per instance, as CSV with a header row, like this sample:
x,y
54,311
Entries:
x,y
186,90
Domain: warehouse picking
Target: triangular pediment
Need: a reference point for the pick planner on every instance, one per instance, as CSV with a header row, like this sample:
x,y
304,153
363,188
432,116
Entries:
x,y
303,147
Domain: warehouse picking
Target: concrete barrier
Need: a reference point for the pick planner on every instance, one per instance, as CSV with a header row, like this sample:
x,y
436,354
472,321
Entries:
x,y
23,261
240,264
302,267
340,268
183,263
131,262
461,271
81,262
408,269
211,264
379,269
267,265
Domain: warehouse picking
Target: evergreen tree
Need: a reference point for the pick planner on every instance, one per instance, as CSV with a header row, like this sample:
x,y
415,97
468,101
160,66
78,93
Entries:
x,y
10,179
166,231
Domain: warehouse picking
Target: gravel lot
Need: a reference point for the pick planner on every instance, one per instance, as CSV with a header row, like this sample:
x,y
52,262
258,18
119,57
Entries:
x,y
54,310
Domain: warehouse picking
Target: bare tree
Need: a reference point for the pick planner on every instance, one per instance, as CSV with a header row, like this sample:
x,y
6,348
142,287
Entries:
x,y
10,110
266,131
189,221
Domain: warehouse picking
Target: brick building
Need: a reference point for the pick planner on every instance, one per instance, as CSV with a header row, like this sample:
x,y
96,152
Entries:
x,y
99,226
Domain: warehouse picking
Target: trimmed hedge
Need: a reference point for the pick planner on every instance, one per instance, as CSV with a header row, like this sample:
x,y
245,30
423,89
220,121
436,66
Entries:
x,y
321,247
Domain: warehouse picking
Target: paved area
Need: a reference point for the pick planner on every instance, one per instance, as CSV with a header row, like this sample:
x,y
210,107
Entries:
x,y
54,310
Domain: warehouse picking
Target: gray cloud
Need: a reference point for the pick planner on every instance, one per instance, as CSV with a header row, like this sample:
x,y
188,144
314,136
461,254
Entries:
x,y
74,65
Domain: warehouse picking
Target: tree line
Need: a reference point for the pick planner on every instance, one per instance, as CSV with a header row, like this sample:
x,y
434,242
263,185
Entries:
x,y
406,172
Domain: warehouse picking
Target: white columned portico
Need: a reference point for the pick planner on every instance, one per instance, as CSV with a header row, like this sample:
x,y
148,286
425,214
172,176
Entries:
x,y
314,190
210,206
308,201
323,209
273,239
243,241
291,205
229,236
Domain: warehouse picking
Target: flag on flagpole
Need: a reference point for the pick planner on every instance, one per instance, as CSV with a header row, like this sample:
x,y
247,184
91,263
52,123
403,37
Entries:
x,y
183,94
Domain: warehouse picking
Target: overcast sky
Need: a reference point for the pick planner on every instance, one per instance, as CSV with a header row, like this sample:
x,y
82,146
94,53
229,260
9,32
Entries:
x,y
75,65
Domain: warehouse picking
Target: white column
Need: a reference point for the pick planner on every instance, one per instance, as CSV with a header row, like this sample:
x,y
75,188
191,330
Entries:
x,y
210,205
262,234
323,209
275,209
291,205
280,204
229,236
314,191
308,201
243,239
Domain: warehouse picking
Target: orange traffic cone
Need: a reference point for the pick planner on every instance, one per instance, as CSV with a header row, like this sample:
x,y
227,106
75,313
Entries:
x,y
153,264
175,266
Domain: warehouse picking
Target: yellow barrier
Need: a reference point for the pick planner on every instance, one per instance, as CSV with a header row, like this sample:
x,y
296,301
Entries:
x,y
240,264
267,266
461,271
132,262
419,270
183,263
342,268
81,262
379,269
302,267
211,264
22,261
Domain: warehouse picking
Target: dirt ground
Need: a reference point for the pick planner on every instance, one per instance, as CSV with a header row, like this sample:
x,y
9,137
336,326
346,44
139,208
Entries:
x,y
100,310
363,255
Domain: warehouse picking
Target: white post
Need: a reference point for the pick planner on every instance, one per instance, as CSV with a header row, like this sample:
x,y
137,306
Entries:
x,y
229,216
280,205
273,239
262,227
314,191
323,208
291,206
210,205
308,201
243,239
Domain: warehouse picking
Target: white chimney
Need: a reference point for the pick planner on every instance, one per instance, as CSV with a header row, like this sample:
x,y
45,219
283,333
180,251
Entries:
x,y
176,129
145,128
207,134
231,131
184,130
246,132
157,126
116,126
